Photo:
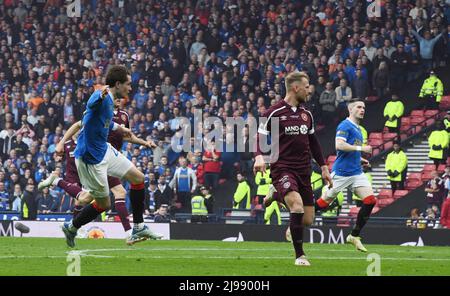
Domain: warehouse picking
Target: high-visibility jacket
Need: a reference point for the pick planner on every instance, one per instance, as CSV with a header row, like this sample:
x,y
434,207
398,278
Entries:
x,y
334,211
263,182
396,162
364,134
447,126
370,178
242,194
393,109
270,210
316,181
437,138
432,86
198,205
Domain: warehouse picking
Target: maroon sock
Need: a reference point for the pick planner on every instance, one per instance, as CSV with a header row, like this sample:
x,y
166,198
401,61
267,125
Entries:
x,y
71,188
121,210
296,227
76,211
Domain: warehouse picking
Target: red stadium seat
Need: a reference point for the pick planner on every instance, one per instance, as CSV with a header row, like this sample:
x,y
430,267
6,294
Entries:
x,y
375,142
354,211
448,160
430,121
389,136
378,136
400,193
388,145
415,176
431,113
381,203
445,103
412,184
441,168
418,120
375,210
372,99
426,175
429,167
385,193
405,121
417,113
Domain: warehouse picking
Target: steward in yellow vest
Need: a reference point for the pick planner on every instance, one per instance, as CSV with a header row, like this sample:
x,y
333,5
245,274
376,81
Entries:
x,y
438,142
393,111
432,91
263,182
242,195
199,211
396,166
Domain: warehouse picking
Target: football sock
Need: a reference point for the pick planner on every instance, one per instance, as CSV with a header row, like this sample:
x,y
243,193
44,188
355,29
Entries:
x,y
89,213
137,197
364,214
321,204
123,214
76,211
71,188
296,227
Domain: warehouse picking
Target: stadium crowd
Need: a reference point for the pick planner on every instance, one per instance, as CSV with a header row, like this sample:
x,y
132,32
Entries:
x,y
226,58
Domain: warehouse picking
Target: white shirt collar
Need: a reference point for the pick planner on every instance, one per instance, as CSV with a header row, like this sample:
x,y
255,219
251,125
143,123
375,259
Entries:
x,y
354,123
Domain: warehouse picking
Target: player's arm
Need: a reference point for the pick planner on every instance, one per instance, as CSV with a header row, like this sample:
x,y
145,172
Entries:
x,y
262,134
135,140
96,100
67,136
342,145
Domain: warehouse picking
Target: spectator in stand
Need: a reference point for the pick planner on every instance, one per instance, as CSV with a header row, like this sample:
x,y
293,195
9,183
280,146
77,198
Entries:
x,y
4,198
343,96
380,80
328,104
163,193
212,166
29,202
435,190
46,203
162,215
184,183
360,86
427,44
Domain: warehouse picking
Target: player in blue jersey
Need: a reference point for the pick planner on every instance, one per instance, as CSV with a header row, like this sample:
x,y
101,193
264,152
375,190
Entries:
x,y
347,171
95,159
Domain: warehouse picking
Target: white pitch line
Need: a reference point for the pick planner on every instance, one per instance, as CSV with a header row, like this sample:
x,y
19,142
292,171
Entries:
x,y
150,249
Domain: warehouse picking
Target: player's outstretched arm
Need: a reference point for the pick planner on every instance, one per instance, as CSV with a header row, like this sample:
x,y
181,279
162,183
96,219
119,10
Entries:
x,y
135,140
344,146
68,135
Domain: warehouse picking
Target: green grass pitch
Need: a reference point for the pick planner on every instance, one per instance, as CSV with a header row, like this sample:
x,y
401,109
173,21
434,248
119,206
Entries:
x,y
46,256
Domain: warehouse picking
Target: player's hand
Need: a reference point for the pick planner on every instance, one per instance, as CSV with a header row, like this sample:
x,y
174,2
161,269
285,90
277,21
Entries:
x,y
150,144
366,149
260,165
365,162
59,149
327,177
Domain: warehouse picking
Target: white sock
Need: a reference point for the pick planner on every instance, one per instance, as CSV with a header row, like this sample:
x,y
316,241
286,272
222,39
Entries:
x,y
138,226
72,228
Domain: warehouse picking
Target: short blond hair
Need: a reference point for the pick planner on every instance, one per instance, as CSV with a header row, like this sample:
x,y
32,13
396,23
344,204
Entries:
x,y
293,77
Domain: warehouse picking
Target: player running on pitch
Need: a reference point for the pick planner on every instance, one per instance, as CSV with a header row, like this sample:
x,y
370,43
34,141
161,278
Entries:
x,y
291,172
347,171
96,159
71,182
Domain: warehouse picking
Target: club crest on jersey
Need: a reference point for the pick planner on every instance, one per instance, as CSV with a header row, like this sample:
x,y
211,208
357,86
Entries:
x,y
283,117
304,117
124,117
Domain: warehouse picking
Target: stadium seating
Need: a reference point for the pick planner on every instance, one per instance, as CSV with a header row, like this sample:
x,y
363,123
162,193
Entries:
x,y
381,203
426,175
429,167
399,194
353,212
385,193
417,113
445,103
378,136
413,181
431,113
441,168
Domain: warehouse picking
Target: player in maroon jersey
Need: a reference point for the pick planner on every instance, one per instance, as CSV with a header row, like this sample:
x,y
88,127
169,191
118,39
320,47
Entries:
x,y
71,182
291,172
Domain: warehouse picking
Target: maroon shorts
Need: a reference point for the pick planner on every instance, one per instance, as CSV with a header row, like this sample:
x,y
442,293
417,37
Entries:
x,y
113,182
72,178
286,180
